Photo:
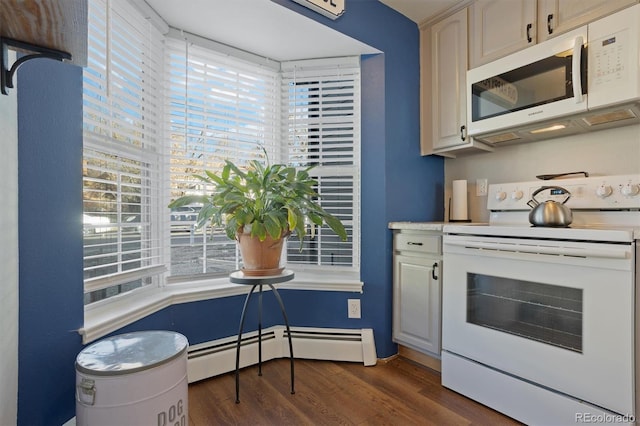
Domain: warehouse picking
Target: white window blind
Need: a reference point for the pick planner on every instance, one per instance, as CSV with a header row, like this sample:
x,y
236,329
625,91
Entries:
x,y
121,157
218,107
321,121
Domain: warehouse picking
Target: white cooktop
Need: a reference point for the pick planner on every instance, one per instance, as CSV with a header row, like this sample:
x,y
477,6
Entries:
x,y
605,208
608,233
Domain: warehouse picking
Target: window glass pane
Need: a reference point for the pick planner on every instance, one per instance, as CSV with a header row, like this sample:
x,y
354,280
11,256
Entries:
x,y
105,293
219,108
121,161
318,111
321,99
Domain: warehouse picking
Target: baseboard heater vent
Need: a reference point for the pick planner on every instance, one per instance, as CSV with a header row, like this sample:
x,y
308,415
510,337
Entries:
x,y
219,356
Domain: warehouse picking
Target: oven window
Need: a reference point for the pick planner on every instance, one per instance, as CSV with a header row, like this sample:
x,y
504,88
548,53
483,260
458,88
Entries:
x,y
545,313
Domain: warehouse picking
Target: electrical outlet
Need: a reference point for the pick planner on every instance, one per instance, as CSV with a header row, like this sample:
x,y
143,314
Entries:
x,y
481,187
353,306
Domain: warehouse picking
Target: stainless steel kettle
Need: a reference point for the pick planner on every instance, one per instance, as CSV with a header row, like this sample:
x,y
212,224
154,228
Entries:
x,y
550,212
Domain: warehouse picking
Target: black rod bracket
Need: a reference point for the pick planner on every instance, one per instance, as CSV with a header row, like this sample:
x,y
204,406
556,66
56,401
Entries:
x,y
33,53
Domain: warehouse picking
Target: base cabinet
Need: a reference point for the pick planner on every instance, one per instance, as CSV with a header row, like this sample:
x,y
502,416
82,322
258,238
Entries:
x,y
417,266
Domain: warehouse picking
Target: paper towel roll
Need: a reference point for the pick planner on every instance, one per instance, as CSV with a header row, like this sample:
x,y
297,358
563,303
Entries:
x,y
459,201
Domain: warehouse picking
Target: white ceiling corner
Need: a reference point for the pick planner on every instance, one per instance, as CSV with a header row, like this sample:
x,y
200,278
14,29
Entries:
x,y
261,27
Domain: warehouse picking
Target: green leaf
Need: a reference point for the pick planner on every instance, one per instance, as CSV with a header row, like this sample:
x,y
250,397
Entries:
x,y
292,218
235,169
302,175
336,226
290,174
315,218
211,177
258,230
231,229
226,170
300,230
272,226
188,199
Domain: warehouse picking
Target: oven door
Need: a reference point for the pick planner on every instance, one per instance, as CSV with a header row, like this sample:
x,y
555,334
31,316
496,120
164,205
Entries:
x,y
555,313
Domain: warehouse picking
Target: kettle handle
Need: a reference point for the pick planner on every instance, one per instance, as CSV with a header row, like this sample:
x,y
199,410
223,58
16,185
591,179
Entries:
x,y
537,191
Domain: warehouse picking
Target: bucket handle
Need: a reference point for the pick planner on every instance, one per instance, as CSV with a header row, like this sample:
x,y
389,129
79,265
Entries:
x,y
86,388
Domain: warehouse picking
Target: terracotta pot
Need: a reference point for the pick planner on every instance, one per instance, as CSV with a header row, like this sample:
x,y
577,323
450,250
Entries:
x,y
260,257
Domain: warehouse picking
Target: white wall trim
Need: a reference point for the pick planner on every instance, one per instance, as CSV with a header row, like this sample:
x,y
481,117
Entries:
x,y
102,319
217,357
9,267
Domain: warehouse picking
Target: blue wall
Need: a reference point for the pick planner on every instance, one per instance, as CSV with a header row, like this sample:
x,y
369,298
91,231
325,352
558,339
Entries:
x,y
397,184
50,239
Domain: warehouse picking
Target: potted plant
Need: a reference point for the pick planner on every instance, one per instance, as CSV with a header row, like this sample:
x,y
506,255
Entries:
x,y
260,208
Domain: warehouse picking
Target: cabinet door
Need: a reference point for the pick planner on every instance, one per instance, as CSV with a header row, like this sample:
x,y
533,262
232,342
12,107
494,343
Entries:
x,y
500,27
448,91
416,302
559,16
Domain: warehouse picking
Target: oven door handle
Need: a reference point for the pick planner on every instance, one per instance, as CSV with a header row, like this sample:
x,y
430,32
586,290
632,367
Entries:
x,y
533,249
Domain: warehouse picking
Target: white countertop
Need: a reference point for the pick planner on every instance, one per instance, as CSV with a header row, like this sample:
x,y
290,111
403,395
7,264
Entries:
x,y
418,226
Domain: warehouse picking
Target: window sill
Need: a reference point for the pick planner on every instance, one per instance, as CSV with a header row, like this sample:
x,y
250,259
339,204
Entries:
x,y
103,319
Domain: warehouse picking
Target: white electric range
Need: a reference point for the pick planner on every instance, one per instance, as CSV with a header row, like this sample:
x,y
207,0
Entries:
x,y
539,322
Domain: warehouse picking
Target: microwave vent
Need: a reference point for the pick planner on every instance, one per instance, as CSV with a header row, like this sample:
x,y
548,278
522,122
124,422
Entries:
x,y
609,116
502,137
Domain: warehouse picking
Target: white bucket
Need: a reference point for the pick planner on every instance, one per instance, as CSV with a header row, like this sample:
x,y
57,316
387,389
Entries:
x,y
133,379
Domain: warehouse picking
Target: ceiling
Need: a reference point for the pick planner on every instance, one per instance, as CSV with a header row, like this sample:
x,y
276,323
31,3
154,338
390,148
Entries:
x,y
258,26
420,10
273,31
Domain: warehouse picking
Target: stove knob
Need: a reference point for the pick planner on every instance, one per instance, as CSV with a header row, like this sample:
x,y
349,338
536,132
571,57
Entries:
x,y
604,191
629,190
501,195
516,195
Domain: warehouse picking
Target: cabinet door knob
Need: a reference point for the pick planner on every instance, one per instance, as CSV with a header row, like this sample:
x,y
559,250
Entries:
x,y
433,271
529,39
549,19
463,135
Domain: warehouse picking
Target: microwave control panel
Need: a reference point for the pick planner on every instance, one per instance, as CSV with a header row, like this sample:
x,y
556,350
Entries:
x,y
609,58
613,52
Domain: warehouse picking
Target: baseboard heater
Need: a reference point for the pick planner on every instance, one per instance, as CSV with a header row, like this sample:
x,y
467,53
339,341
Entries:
x,y
217,357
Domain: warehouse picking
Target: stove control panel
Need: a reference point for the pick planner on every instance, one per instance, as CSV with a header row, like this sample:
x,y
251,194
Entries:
x,y
620,192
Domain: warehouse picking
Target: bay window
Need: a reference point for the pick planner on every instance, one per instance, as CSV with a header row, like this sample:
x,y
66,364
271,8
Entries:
x,y
159,108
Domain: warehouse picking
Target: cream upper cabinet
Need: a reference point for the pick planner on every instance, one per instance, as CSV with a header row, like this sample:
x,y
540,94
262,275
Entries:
x,y
449,46
500,27
443,69
559,16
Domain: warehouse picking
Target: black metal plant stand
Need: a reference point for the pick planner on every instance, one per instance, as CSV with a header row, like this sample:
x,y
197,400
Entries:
x,y
238,277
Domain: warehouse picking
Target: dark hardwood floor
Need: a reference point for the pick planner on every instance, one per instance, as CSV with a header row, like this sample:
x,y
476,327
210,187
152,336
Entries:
x,y
397,392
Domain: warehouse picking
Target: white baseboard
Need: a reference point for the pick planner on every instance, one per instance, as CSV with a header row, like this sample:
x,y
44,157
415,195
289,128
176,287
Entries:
x,y
219,356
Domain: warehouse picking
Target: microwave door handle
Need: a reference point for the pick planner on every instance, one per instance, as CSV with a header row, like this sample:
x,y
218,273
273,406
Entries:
x,y
576,77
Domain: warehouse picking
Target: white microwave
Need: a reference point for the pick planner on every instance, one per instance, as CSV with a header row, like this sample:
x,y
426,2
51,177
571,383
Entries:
x,y
583,80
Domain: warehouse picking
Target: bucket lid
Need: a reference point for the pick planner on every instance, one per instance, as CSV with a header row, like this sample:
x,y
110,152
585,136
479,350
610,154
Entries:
x,y
131,352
